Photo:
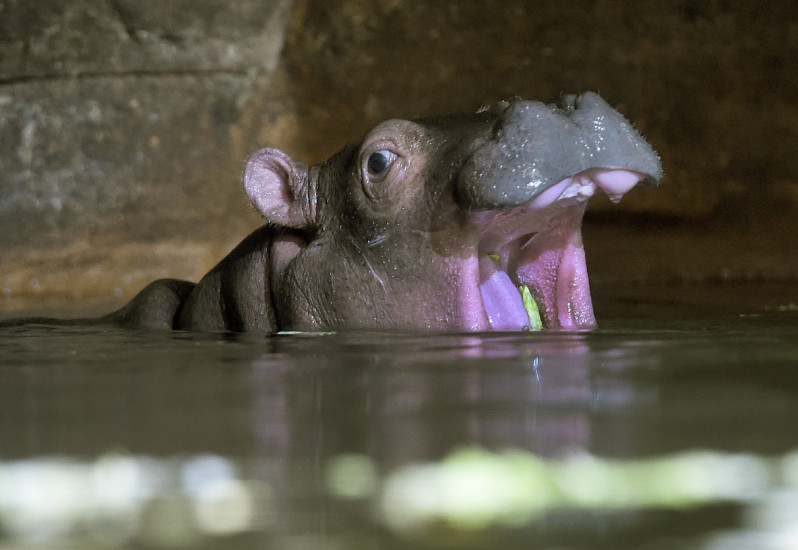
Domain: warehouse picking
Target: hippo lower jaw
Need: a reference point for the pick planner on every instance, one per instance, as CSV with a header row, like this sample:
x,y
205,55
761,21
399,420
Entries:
x,y
539,245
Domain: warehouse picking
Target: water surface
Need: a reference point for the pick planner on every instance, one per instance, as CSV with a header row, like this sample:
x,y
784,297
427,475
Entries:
x,y
673,426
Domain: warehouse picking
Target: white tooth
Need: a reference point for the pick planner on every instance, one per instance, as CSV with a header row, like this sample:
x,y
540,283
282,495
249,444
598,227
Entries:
x,y
587,190
582,189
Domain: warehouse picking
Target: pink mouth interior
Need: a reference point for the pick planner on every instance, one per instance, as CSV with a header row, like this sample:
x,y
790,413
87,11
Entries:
x,y
539,245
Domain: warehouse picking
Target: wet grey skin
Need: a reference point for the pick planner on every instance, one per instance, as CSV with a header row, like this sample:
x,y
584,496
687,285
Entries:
x,y
392,233
539,145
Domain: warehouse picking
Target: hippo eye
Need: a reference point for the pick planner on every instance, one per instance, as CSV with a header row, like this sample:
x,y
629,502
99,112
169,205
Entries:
x,y
379,162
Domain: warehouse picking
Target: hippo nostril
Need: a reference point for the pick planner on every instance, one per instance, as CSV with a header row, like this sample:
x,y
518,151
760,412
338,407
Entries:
x,y
569,102
502,106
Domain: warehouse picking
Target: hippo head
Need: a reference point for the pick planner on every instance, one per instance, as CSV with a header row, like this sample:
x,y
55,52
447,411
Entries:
x,y
465,222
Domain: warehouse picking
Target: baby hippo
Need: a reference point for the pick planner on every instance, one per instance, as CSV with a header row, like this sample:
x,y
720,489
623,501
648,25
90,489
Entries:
x,y
462,223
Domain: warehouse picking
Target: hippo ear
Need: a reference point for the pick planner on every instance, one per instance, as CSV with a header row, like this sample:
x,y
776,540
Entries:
x,y
278,187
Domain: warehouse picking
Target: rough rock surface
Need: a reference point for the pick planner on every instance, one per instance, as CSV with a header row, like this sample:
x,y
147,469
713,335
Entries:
x,y
711,84
125,129
125,125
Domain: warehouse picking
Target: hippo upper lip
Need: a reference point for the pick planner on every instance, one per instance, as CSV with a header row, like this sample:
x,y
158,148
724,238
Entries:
x,y
534,146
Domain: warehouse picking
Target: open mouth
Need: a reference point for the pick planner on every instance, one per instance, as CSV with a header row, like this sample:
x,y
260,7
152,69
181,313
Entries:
x,y
532,268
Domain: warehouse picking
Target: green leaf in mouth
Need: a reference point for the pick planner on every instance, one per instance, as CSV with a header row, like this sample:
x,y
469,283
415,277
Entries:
x,y
531,308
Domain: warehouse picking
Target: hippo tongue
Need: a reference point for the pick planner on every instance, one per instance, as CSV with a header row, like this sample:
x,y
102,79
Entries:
x,y
500,297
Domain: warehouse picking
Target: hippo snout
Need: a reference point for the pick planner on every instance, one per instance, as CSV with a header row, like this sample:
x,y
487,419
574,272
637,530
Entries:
x,y
538,145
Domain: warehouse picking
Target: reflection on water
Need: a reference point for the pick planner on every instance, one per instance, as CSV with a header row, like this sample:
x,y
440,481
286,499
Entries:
x,y
119,499
652,433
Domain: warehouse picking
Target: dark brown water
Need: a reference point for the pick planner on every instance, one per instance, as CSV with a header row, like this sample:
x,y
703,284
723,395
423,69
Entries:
x,y
674,426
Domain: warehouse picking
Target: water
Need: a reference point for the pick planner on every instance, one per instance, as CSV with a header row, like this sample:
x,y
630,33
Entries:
x,y
674,426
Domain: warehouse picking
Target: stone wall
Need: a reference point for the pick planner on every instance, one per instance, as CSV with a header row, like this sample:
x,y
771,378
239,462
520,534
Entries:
x,y
125,125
